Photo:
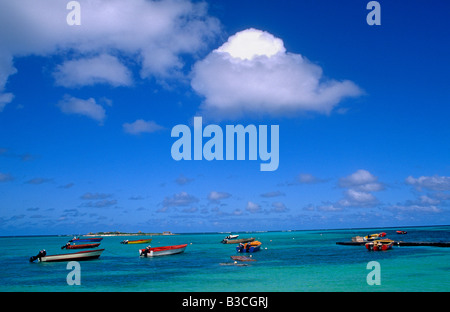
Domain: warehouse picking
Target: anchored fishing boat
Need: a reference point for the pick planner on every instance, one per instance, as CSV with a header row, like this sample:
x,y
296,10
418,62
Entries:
x,y
162,251
231,236
80,246
76,256
372,237
249,247
86,239
237,241
380,245
138,241
401,232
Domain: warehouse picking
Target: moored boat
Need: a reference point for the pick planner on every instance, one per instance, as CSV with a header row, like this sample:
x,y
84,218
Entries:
x,y
86,239
80,246
76,256
137,241
401,232
162,251
232,236
249,247
372,237
380,245
237,241
242,258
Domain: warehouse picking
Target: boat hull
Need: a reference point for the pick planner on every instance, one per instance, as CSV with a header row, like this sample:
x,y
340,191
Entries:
x,y
249,247
162,251
139,241
237,241
86,240
82,246
373,237
76,256
378,247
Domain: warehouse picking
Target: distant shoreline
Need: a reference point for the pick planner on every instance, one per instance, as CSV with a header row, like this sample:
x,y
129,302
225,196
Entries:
x,y
106,234
227,232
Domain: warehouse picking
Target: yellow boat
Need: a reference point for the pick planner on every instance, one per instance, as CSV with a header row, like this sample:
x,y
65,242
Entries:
x,y
138,241
372,237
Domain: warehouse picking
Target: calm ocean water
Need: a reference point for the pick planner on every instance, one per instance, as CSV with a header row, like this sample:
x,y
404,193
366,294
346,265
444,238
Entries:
x,y
288,262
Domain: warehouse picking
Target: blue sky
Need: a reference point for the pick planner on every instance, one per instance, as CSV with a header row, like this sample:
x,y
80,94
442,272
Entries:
x,y
86,113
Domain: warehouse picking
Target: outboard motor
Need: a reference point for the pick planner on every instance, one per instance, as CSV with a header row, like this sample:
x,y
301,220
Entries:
x,y
41,253
144,252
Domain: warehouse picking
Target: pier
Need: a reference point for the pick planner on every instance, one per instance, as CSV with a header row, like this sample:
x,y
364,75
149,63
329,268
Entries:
x,y
401,243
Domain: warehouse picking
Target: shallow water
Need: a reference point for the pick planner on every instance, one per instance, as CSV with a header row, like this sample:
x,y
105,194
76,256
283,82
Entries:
x,y
288,261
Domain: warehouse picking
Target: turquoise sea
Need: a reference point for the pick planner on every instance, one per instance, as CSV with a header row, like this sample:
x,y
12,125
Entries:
x,y
294,261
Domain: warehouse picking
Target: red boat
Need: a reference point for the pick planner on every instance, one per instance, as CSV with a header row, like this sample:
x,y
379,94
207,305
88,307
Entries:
x,y
401,232
80,246
162,251
380,245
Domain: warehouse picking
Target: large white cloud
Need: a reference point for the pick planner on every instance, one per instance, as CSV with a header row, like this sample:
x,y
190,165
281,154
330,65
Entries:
x,y
153,33
253,73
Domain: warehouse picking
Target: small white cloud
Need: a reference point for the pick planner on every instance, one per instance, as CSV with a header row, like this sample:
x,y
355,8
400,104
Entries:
x,y
279,207
95,196
37,181
253,207
179,199
215,196
306,178
359,186
5,177
360,177
89,71
252,43
358,197
253,74
88,108
6,69
272,194
182,180
5,98
141,126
